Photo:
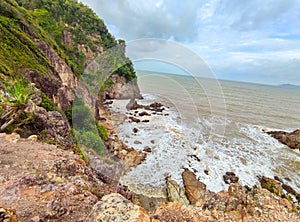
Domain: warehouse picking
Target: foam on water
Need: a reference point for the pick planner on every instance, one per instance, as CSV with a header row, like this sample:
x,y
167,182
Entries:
x,y
244,150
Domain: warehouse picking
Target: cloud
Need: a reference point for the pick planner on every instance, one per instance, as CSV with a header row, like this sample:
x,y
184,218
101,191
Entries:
x,y
154,18
243,40
254,14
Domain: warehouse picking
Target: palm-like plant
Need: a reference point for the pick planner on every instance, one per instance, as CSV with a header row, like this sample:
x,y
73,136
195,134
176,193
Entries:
x,y
13,102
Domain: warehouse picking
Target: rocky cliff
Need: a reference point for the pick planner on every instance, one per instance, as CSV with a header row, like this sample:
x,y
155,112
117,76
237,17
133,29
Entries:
x,y
50,44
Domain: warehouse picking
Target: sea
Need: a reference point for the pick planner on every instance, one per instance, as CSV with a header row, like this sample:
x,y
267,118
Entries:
x,y
210,127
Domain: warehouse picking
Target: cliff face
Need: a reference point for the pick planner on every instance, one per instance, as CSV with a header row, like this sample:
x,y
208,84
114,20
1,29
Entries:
x,y
50,43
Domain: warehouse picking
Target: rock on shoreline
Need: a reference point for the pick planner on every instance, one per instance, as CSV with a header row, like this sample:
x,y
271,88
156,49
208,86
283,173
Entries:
x,y
236,204
291,140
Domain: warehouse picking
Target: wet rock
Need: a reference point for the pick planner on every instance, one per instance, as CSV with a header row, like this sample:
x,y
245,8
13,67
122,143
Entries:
x,y
156,105
153,107
115,207
133,105
195,158
134,157
135,120
144,113
147,149
146,121
271,185
108,102
278,179
175,193
291,191
136,142
194,189
230,177
291,140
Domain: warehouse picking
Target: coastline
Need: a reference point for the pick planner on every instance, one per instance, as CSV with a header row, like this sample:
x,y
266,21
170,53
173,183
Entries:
x,y
151,181
191,199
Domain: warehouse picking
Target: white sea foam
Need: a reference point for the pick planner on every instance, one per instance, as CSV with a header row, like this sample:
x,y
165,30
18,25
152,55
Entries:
x,y
244,149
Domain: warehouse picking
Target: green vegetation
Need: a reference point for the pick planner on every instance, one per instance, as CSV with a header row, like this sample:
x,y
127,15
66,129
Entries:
x,y
17,103
60,17
55,22
18,54
84,127
272,186
31,31
82,154
46,103
103,132
127,71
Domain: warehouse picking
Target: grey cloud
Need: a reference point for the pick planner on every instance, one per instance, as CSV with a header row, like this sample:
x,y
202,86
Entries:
x,y
143,19
255,14
263,70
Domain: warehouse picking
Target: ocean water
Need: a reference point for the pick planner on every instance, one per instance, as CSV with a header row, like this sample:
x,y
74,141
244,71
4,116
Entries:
x,y
213,126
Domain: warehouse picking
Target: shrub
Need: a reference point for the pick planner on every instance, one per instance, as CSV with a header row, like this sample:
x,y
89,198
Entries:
x,y
84,127
47,103
103,132
89,139
15,98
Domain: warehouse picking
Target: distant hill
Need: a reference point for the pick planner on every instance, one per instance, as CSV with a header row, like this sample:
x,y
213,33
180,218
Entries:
x,y
289,86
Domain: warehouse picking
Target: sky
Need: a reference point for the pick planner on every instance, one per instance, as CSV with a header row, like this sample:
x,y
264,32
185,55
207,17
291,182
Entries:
x,y
252,41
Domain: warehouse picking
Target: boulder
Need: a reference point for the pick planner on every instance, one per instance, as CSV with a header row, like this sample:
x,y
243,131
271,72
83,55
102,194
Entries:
x,y
134,158
271,185
107,170
136,142
156,105
175,193
135,120
144,113
147,149
291,140
194,189
230,177
114,207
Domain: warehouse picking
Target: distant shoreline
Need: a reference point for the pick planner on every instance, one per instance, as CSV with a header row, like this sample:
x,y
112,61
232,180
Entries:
x,y
289,86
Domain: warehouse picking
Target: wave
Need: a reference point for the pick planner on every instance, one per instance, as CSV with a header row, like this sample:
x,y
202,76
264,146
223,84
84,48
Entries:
x,y
176,144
